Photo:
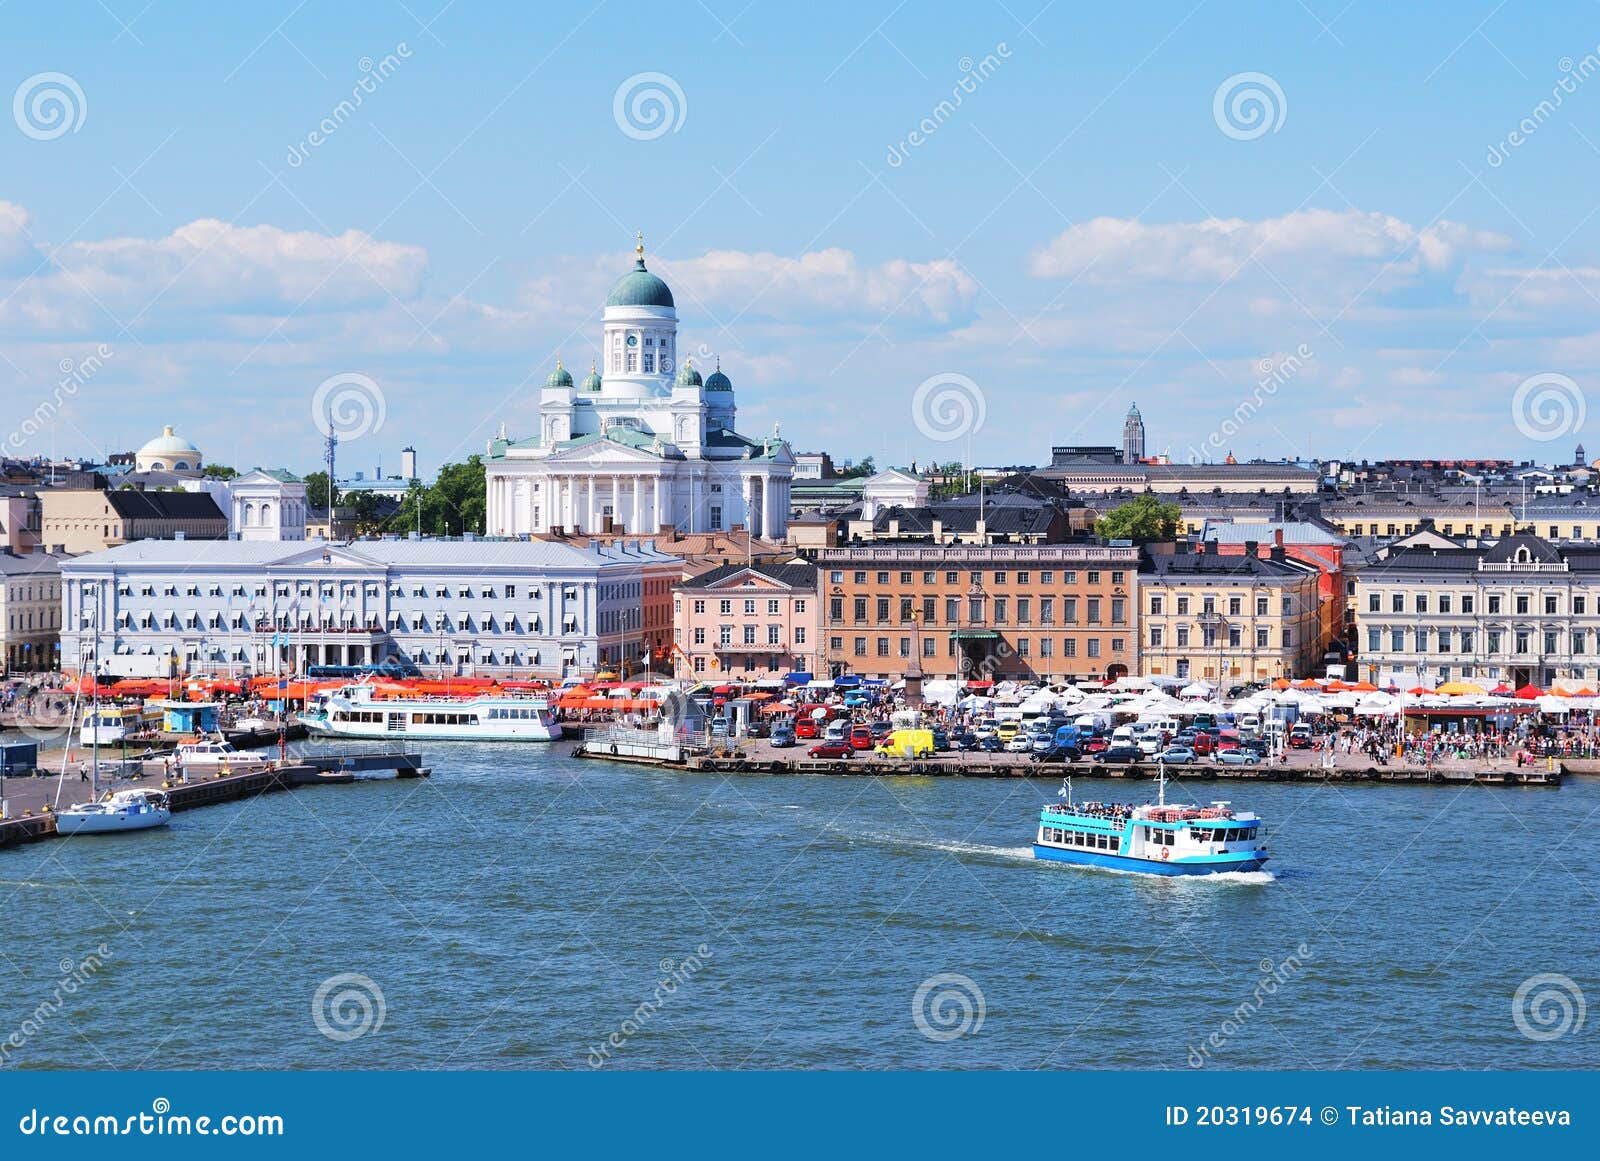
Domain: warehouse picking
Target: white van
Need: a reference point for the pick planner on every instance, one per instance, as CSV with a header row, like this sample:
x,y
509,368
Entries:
x,y
1123,736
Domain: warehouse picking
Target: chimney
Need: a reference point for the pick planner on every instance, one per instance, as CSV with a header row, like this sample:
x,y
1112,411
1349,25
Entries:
x,y
1252,548
670,531
1277,538
1277,552
938,530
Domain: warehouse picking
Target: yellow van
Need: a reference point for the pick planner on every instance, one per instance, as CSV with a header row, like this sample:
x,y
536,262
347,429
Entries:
x,y
1008,730
906,744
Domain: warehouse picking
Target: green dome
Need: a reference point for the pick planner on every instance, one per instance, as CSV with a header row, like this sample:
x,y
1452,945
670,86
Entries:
x,y
560,377
717,381
688,376
640,288
591,381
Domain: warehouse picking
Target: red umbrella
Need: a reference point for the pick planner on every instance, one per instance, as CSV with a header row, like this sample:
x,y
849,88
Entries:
x,y
1500,690
1529,692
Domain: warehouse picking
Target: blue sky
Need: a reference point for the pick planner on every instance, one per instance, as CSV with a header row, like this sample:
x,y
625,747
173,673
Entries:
x,y
1079,234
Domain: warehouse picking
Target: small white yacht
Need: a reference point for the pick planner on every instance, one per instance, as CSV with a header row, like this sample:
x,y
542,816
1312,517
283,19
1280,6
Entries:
x,y
216,754
124,810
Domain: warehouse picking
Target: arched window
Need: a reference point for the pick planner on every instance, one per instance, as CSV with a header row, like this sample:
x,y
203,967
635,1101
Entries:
x,y
249,514
266,512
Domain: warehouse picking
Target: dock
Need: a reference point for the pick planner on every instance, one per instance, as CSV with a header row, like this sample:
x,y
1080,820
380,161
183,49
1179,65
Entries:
x,y
29,796
764,760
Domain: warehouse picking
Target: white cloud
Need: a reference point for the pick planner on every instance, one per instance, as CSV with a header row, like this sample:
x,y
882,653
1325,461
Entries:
x,y
17,253
1126,250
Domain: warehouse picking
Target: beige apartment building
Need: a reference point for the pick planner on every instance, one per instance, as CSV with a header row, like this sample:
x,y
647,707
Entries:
x,y
746,622
92,520
1229,618
30,612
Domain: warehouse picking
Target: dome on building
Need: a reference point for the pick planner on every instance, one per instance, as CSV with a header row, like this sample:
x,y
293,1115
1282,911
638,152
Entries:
x,y
687,375
639,287
168,452
560,377
591,381
717,381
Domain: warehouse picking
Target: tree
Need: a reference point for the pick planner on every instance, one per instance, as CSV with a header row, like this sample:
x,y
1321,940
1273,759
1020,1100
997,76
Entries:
x,y
864,468
456,501
219,472
1143,519
317,489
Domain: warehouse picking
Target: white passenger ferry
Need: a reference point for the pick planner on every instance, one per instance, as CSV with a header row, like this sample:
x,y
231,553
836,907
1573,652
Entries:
x,y
352,712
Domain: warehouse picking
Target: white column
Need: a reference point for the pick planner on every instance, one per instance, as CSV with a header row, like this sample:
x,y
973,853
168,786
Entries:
x,y
616,499
636,484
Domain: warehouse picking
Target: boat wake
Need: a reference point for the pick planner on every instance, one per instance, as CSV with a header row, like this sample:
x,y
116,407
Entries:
x,y
1255,878
947,846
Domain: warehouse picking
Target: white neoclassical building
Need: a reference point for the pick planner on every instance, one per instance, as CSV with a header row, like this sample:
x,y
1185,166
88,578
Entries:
x,y
643,444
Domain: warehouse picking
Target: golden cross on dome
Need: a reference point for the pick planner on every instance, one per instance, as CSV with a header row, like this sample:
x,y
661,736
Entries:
x,y
638,248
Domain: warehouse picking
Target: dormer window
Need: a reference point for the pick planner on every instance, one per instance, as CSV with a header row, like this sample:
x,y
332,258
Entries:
x,y
1522,555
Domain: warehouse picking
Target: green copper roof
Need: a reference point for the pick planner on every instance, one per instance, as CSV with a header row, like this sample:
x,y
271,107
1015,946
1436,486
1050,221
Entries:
x,y
560,377
717,381
688,376
591,381
640,288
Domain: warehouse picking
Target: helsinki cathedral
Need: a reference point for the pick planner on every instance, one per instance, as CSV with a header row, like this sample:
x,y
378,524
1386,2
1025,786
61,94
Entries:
x,y
643,443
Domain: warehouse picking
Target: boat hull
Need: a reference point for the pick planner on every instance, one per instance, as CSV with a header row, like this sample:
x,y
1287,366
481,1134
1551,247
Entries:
x,y
321,728
1211,865
69,823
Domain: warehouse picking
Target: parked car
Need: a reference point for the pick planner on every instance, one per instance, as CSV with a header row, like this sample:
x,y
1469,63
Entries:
x,y
1122,752
984,729
807,727
1020,744
965,740
1057,754
1227,740
1150,745
1203,744
991,745
782,736
1300,738
1254,746
719,727
879,730
1238,757
830,750
1177,756
861,738
1096,746
1007,730
941,742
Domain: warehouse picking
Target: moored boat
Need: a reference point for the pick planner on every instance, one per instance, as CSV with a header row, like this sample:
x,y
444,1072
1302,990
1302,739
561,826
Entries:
x,y
353,712
125,810
216,754
1153,839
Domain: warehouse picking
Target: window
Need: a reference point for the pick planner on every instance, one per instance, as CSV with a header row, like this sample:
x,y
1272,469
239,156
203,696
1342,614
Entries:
x,y
699,606
772,608
1494,605
774,635
1000,577
1374,603
859,608
750,608
1235,606
725,635
1580,606
1521,640
1551,640
699,636
1094,577
1070,610
1094,646
883,646
883,608
1466,640
1155,604
1155,636
1397,602
800,635
1549,605
1421,603
883,578
1119,610
1024,610
861,646
1094,610
1523,604
1444,640
952,610
1397,640
1183,636
1047,610
1493,638
1069,647
1422,639
1001,610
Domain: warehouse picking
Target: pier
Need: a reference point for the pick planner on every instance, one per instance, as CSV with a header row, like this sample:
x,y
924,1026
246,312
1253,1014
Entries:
x,y
28,797
764,759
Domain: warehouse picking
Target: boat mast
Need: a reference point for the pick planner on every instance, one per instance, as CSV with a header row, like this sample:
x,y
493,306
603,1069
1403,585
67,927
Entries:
x,y
1161,777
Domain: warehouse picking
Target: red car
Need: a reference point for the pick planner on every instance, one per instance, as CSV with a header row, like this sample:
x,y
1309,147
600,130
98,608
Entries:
x,y
831,750
1096,745
1203,744
861,738
807,727
1227,740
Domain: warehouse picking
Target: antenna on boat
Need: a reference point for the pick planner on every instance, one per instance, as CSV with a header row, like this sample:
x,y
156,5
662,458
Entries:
x,y
1161,776
1066,790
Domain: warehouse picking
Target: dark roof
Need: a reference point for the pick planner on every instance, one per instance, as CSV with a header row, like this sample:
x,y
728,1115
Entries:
x,y
134,505
1507,548
1216,564
795,576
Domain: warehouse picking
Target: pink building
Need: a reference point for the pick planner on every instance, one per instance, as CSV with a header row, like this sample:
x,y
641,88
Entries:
x,y
747,622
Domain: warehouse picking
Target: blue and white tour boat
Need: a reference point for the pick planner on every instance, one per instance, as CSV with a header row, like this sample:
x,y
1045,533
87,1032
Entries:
x,y
1153,839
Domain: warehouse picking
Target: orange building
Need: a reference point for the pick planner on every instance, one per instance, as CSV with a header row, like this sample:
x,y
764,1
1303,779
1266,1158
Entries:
x,y
1053,611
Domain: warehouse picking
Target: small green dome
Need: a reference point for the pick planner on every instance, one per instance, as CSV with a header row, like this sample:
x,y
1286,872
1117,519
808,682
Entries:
x,y
560,377
688,376
591,381
640,288
717,381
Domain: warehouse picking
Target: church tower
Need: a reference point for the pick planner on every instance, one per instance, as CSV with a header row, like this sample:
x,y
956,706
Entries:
x,y
1133,436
